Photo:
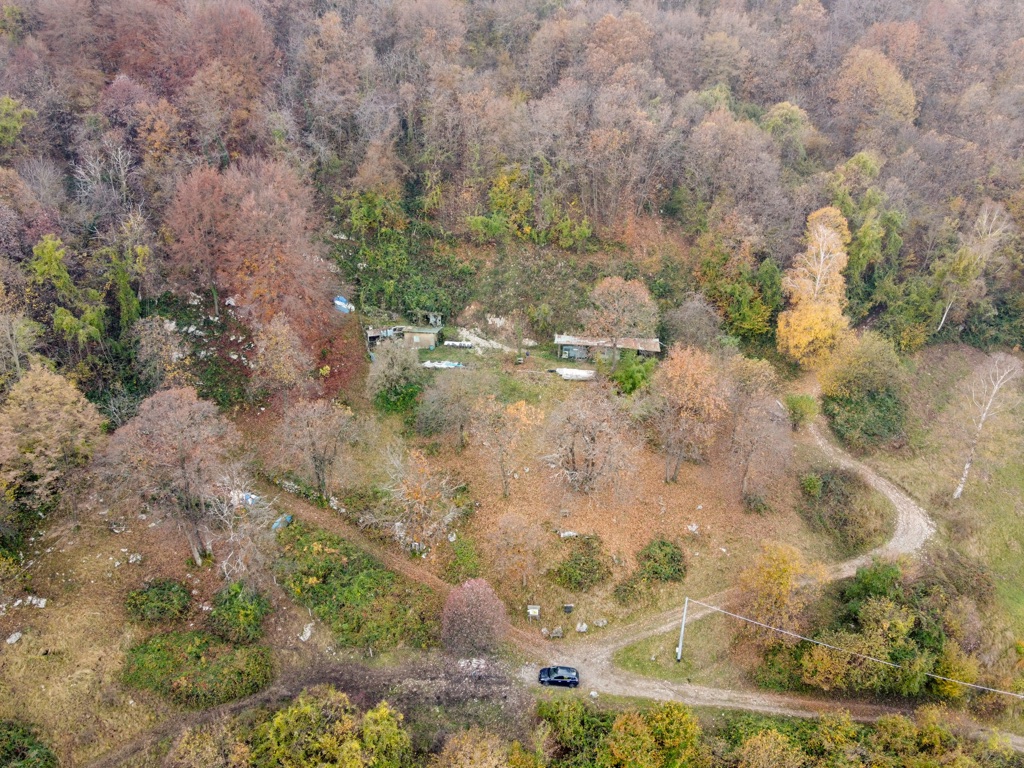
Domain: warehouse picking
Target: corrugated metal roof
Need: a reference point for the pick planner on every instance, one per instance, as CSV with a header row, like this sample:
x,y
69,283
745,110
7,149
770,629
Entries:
x,y
640,345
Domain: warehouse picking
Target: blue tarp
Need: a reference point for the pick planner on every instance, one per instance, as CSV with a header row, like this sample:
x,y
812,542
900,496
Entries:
x,y
282,522
343,305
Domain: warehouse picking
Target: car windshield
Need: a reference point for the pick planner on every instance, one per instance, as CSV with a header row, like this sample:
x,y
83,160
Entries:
x,y
563,672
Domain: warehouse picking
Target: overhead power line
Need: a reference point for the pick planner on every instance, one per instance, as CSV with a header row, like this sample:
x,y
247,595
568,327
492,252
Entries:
x,y
682,631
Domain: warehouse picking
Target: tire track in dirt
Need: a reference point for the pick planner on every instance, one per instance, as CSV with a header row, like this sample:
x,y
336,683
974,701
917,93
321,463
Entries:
x,y
595,658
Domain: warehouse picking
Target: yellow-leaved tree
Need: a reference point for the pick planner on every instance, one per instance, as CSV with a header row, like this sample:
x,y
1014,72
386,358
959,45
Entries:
x,y
814,322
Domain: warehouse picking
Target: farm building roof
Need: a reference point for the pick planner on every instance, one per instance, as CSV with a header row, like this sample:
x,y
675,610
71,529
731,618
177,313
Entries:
x,y
640,345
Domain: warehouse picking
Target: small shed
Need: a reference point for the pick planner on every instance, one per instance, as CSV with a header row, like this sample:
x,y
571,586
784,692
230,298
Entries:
x,y
590,348
418,338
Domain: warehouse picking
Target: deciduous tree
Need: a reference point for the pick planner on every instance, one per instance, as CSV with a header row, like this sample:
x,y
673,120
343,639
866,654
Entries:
x,y
395,377
516,541
872,100
315,432
621,309
18,336
590,446
814,322
446,406
961,274
694,323
498,427
282,363
246,232
474,748
160,353
777,587
986,398
46,428
769,749
691,405
760,424
630,744
473,620
174,453
423,502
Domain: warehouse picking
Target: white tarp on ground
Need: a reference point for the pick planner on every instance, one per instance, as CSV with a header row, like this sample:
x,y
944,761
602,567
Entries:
x,y
576,374
442,364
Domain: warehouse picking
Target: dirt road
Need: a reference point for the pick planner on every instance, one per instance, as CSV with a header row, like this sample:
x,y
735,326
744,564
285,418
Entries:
x,y
594,657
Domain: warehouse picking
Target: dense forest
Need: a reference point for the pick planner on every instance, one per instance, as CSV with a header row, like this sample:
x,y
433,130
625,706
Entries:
x,y
811,203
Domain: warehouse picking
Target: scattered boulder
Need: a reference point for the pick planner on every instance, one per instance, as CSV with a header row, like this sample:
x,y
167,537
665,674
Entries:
x,y
14,638
581,627
556,632
307,632
601,623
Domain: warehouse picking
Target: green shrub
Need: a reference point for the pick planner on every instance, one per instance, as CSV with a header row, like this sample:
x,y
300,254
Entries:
x,y
811,485
162,601
867,420
586,565
320,727
196,669
576,726
632,372
398,399
463,563
852,513
880,579
756,504
21,748
363,603
802,409
661,560
238,613
863,390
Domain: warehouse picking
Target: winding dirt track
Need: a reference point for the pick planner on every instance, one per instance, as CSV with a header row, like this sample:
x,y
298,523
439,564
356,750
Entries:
x,y
594,657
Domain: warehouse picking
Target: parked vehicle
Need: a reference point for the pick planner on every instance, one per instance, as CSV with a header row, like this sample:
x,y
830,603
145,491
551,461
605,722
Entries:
x,y
566,676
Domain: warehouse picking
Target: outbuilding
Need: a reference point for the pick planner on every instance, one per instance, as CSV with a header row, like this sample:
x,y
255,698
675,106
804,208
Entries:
x,y
590,348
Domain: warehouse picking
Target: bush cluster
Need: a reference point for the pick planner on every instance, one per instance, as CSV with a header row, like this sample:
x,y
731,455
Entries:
x,y
802,409
238,613
847,509
162,601
660,560
866,420
364,604
863,393
585,566
669,735
922,624
21,748
196,669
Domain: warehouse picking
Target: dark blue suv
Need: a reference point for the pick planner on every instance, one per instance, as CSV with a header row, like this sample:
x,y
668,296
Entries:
x,y
566,676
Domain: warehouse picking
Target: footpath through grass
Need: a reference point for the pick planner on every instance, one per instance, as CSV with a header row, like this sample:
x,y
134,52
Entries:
x,y
364,604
